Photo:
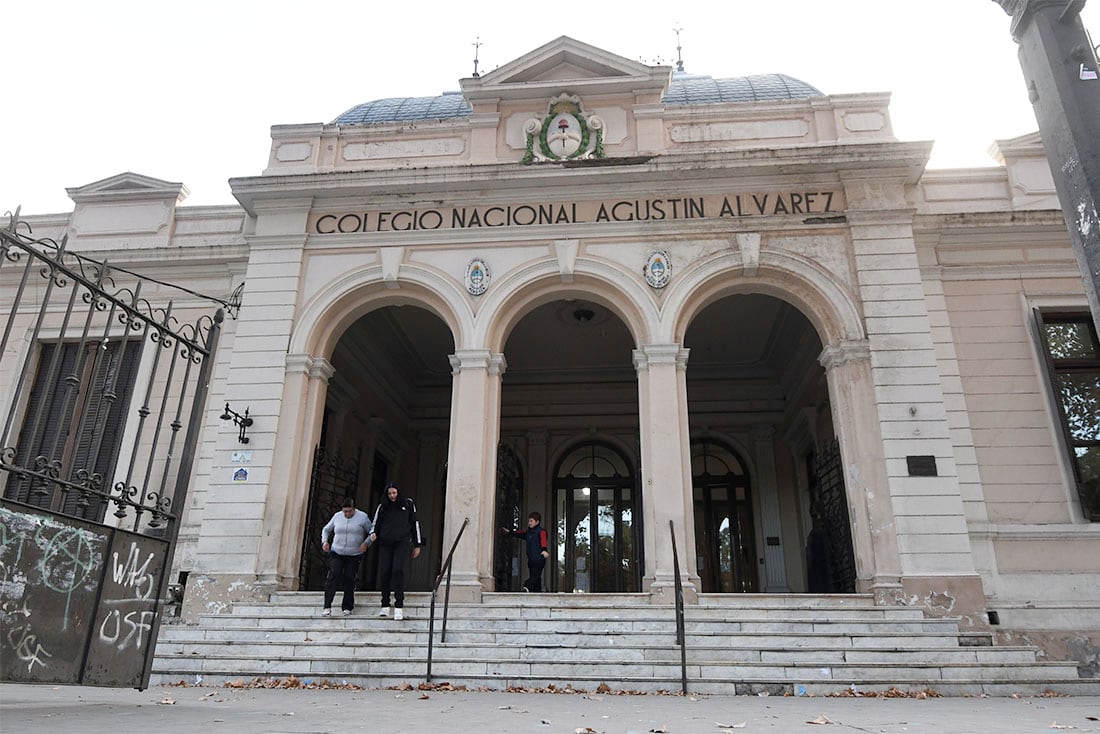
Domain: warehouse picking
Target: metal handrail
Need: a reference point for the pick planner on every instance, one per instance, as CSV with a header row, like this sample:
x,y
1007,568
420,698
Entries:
x,y
444,569
681,635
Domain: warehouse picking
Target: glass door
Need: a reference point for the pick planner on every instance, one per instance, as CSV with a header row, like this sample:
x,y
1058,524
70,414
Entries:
x,y
726,555
595,524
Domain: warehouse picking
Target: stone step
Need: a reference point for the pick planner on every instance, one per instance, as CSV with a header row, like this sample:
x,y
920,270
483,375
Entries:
x,y
355,632
569,672
786,643
602,601
622,682
395,649
662,612
599,626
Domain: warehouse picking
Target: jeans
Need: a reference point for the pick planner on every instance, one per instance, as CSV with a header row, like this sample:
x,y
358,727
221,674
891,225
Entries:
x,y
343,572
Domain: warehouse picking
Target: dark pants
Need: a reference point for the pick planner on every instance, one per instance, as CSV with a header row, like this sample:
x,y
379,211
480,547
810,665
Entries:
x,y
534,570
343,572
391,570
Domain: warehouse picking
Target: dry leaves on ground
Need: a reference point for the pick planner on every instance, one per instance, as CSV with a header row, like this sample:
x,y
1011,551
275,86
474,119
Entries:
x,y
891,692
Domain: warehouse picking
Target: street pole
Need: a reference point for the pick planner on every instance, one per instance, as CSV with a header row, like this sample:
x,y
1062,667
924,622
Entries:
x,y
1060,69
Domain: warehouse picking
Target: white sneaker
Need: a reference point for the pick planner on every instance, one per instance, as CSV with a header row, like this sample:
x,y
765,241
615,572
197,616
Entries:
x,y
384,612
326,612
398,614
347,612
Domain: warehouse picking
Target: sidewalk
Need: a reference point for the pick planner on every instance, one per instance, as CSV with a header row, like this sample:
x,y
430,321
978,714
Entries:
x,y
44,709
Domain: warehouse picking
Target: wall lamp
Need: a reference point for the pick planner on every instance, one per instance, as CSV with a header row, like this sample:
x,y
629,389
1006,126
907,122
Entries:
x,y
241,420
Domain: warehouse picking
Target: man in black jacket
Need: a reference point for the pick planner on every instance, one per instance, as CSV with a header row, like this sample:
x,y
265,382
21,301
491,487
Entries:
x,y
395,530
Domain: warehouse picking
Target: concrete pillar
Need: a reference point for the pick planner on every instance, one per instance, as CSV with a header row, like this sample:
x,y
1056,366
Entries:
x,y
878,564
666,468
775,569
288,503
471,468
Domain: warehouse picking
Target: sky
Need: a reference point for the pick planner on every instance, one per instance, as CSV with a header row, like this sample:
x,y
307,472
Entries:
x,y
188,91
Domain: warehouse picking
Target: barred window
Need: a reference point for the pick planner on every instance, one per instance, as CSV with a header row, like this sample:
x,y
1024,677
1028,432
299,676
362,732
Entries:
x,y
74,421
1073,366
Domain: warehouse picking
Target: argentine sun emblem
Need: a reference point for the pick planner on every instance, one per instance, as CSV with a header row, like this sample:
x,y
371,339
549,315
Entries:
x,y
566,133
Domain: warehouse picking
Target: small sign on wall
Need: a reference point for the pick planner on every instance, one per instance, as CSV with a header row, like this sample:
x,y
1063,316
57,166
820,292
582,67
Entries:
x,y
241,457
240,475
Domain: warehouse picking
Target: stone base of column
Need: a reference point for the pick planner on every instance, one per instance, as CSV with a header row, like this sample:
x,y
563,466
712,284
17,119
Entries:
x,y
959,597
466,588
887,590
216,593
662,589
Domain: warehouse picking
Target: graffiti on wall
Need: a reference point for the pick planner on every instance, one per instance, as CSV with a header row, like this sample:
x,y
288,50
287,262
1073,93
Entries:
x,y
78,600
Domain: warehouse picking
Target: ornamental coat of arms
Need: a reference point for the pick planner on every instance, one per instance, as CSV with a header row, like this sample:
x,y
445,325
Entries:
x,y
566,133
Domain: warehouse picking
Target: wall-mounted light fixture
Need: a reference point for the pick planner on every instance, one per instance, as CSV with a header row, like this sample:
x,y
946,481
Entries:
x,y
241,420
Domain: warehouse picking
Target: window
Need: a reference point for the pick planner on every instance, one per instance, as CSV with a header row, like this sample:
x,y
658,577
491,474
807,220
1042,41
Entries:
x,y
74,419
1073,365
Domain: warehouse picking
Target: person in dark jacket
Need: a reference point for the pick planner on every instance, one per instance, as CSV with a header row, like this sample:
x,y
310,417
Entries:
x,y
395,530
345,539
537,551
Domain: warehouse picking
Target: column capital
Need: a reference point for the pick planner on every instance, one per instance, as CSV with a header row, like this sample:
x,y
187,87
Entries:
x,y
654,354
314,367
844,351
477,359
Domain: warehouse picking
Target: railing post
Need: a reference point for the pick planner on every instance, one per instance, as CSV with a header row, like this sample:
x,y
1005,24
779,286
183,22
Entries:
x,y
681,634
445,569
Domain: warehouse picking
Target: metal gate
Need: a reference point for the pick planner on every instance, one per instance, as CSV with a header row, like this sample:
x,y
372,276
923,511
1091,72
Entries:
x,y
830,556
332,480
106,394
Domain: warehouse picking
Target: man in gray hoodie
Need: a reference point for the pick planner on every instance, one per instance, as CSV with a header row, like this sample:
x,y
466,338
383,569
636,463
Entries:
x,y
345,539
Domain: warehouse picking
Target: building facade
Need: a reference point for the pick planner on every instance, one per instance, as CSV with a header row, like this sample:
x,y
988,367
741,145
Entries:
x,y
734,315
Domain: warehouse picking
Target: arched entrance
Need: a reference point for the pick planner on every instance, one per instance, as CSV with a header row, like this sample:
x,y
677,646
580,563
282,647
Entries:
x,y
596,533
387,414
758,397
725,545
569,406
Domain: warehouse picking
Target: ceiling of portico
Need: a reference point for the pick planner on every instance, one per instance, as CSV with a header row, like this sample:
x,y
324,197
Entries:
x,y
400,353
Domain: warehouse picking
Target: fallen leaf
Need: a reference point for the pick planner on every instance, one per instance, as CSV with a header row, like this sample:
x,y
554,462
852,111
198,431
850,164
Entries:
x,y
734,726
1056,725
1092,718
660,730
423,696
823,719
167,700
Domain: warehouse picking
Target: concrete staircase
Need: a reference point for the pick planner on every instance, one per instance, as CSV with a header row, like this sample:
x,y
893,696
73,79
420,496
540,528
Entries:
x,y
736,644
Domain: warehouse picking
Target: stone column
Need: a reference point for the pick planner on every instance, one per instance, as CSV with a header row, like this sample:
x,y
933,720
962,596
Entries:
x,y
471,469
775,568
666,468
288,502
870,511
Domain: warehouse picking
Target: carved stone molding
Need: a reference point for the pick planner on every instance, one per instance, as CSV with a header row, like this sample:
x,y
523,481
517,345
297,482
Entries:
x,y
848,350
477,359
654,354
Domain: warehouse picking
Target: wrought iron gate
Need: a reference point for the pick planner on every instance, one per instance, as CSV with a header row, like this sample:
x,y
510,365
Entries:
x,y
331,481
507,554
106,394
830,557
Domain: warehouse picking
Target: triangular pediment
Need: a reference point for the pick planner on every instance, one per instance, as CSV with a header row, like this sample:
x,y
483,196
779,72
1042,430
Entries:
x,y
128,186
567,62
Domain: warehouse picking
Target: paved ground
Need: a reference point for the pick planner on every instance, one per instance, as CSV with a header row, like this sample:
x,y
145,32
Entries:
x,y
43,709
